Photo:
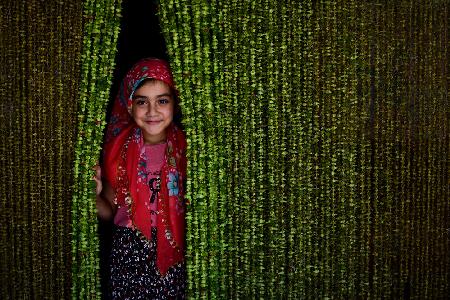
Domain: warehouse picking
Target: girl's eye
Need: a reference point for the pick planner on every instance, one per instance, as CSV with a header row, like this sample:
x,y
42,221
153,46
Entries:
x,y
163,101
140,101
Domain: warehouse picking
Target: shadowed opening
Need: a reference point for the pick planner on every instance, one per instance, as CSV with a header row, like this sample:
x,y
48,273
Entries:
x,y
140,36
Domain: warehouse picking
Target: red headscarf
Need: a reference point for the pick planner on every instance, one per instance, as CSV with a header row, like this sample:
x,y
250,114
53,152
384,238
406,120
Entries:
x,y
122,161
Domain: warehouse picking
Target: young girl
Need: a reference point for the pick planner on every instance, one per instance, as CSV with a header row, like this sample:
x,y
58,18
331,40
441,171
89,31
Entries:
x,y
142,188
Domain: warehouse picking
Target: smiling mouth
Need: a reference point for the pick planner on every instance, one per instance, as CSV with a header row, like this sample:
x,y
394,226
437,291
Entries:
x,y
153,122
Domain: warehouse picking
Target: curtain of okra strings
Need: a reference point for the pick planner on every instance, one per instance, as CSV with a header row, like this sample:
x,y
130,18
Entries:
x,y
318,136
318,145
57,59
40,46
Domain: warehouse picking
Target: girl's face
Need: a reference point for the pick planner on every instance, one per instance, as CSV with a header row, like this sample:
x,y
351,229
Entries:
x,y
152,110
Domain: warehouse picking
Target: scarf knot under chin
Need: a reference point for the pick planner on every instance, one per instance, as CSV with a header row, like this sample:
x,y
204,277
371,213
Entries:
x,y
122,163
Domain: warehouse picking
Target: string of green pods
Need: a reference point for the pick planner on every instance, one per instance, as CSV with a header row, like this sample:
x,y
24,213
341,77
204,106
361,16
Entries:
x,y
101,29
318,145
303,125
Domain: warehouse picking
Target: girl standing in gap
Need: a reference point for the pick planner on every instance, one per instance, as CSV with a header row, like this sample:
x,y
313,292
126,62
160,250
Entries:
x,y
142,188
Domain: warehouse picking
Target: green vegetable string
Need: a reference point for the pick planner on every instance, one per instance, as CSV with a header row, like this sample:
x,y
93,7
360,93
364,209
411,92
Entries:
x,y
317,124
97,62
318,145
40,57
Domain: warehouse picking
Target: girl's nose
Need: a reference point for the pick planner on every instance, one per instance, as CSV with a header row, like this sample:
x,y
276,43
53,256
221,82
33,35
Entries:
x,y
151,108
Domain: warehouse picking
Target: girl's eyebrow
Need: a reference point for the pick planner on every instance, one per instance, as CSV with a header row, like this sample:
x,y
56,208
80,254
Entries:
x,y
164,95
157,96
135,96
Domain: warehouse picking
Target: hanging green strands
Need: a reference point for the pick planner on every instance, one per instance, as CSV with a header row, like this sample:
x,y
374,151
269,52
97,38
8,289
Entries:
x,y
40,57
316,124
97,62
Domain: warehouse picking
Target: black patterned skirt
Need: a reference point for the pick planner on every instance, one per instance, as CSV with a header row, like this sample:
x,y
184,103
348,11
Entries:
x,y
134,274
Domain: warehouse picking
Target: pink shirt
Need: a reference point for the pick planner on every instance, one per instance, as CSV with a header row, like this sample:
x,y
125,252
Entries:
x,y
154,155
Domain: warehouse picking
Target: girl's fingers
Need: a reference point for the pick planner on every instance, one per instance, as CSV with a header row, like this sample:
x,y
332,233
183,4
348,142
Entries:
x,y
98,171
97,177
98,184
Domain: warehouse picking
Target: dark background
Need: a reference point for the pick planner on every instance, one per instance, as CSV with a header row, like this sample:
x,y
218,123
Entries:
x,y
140,36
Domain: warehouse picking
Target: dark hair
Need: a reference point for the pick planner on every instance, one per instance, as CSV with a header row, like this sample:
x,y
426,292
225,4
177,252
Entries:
x,y
177,114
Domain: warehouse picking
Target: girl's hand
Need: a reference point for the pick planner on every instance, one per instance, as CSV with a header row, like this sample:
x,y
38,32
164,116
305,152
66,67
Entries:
x,y
106,207
98,179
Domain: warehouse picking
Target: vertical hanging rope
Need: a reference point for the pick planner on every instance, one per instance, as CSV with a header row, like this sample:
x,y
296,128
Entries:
x,y
318,169
318,145
101,28
40,53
